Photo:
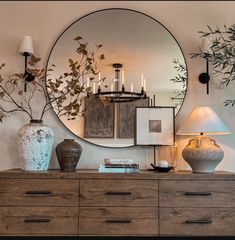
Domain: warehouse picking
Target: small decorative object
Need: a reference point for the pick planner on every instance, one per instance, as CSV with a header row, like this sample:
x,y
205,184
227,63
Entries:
x,y
161,169
169,154
68,153
155,126
163,164
202,153
35,142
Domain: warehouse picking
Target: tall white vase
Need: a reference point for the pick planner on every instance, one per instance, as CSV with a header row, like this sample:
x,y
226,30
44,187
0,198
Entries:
x,y
35,142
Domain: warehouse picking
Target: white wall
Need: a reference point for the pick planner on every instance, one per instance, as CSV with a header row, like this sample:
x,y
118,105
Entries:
x,y
44,21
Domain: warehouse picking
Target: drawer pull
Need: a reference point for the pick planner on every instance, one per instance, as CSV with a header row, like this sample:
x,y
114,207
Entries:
x,y
38,192
36,220
205,221
118,221
118,193
198,193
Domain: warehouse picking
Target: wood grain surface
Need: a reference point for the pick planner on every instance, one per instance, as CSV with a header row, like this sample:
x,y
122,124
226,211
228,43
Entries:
x,y
38,192
182,221
193,193
118,193
94,174
38,221
88,203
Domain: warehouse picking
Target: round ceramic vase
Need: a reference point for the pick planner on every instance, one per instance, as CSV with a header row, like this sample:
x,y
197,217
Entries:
x,y
68,153
35,143
203,154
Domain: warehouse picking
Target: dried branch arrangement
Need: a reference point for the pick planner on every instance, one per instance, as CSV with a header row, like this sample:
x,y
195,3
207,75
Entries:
x,y
63,93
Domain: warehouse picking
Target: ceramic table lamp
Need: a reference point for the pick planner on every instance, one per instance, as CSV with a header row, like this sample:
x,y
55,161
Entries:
x,y
202,153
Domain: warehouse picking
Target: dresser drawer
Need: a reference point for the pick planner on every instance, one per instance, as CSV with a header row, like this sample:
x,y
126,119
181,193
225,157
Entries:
x,y
193,193
200,221
118,192
106,221
38,221
39,192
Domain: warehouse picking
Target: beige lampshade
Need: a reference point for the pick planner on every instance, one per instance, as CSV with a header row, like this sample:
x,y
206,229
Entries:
x,y
26,45
203,120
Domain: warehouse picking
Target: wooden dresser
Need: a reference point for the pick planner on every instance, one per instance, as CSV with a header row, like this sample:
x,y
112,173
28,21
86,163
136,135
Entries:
x,y
88,203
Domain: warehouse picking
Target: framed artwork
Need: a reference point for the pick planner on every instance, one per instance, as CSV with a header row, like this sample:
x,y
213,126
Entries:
x,y
98,119
126,117
155,126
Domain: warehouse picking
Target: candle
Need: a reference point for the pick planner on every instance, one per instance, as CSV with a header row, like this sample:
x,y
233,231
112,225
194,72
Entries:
x,y
99,76
144,84
111,89
163,164
94,87
99,79
122,77
88,82
142,80
132,87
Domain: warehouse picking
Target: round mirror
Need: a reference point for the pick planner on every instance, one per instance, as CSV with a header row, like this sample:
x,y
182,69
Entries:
x,y
132,50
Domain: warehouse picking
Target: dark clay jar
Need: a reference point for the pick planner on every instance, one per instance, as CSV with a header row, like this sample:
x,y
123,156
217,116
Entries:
x,y
68,153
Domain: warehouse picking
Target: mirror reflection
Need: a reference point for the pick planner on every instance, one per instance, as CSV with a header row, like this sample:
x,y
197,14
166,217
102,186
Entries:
x,y
139,56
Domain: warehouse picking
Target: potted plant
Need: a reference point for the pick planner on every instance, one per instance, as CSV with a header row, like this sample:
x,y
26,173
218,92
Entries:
x,y
35,139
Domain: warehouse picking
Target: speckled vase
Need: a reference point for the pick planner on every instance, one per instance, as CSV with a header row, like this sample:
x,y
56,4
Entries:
x,y
68,153
35,142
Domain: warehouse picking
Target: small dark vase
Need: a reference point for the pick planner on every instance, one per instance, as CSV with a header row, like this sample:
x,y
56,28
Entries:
x,y
68,153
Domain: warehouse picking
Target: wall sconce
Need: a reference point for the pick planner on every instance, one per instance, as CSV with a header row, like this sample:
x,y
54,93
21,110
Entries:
x,y
26,49
204,77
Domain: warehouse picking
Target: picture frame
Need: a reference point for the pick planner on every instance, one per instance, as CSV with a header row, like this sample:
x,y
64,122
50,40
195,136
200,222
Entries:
x,y
126,117
155,126
98,119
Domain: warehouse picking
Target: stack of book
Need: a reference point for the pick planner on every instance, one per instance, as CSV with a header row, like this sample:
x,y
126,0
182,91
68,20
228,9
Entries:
x,y
112,165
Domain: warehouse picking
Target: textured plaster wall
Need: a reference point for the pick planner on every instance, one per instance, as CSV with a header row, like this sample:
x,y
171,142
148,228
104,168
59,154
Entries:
x,y
45,20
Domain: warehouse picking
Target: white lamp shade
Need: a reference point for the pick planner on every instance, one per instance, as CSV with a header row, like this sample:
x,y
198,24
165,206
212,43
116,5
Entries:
x,y
26,45
205,45
203,120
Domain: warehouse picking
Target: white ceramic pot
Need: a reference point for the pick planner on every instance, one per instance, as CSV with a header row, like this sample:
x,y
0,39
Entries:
x,y
35,142
203,154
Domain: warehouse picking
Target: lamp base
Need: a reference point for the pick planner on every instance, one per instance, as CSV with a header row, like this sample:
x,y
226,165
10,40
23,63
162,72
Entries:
x,y
202,154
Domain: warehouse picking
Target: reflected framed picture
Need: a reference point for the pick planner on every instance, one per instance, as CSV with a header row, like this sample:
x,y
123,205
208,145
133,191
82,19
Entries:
x,y
126,117
98,119
155,126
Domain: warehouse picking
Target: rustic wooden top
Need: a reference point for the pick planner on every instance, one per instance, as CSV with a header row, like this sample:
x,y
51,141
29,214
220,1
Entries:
x,y
143,174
